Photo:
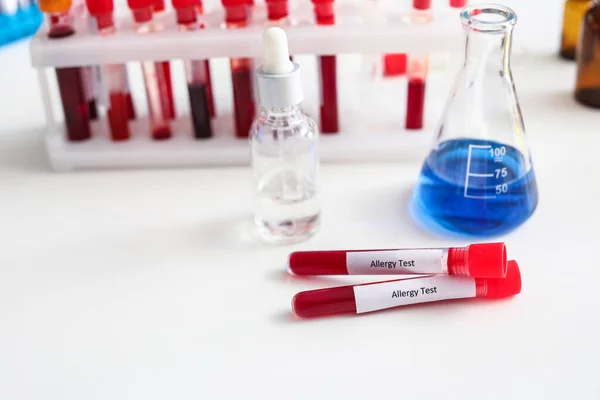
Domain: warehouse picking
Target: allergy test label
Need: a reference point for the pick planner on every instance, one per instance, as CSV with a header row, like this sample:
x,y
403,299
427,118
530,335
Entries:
x,y
405,261
412,291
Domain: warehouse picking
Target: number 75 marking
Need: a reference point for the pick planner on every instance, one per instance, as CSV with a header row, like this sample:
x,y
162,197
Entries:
x,y
501,172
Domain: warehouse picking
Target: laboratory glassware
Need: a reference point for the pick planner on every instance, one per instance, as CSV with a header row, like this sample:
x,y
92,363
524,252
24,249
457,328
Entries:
x,y
237,16
478,260
376,296
571,25
115,75
284,142
327,66
588,59
478,178
69,79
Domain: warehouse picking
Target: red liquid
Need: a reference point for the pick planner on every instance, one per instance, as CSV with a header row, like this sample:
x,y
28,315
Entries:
x,y
130,107
118,118
415,103
339,300
163,71
59,31
333,262
243,99
74,104
209,92
200,110
72,93
329,109
161,133
92,109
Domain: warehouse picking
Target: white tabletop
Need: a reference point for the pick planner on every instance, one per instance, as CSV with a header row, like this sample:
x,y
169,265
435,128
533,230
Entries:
x,y
151,285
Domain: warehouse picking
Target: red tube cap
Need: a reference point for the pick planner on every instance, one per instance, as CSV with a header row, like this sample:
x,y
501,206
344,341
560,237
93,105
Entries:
x,y
185,3
486,260
277,9
422,4
137,4
509,286
96,7
233,3
458,3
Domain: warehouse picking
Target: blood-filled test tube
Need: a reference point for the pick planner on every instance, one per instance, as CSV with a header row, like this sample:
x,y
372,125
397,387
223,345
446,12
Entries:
x,y
479,260
236,17
198,77
403,292
165,72
154,76
418,65
70,79
115,75
325,15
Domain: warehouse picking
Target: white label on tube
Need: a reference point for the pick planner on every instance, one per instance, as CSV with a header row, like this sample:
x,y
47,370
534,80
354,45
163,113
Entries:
x,y
386,262
378,296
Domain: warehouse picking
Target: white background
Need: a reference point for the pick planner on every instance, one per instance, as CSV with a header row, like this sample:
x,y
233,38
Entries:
x,y
151,284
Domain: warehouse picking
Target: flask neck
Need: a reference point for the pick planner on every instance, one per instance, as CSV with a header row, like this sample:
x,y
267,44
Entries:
x,y
490,49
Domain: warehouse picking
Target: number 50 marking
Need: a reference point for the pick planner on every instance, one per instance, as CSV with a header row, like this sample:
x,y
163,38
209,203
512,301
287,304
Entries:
x,y
501,188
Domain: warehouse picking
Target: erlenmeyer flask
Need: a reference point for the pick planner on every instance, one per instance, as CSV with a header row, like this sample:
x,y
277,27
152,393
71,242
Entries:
x,y
478,178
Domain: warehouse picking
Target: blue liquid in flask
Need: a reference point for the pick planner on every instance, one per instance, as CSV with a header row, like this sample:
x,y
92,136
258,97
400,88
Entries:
x,y
476,187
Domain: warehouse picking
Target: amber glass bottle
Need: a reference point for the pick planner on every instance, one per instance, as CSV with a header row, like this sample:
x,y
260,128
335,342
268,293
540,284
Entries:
x,y
572,17
588,59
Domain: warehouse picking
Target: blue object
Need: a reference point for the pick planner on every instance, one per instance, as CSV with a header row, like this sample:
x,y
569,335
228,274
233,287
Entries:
x,y
475,187
24,23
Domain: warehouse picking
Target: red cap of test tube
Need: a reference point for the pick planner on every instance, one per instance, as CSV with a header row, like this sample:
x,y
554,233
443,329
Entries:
x,y
102,10
277,9
186,10
480,260
324,11
458,3
422,4
96,7
235,10
497,288
142,9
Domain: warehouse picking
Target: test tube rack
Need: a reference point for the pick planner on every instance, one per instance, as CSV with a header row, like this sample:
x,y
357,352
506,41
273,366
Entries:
x,y
363,136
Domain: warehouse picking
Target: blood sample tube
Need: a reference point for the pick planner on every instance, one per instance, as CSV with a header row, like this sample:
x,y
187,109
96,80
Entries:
x,y
418,64
70,80
165,71
154,76
114,74
236,17
324,14
381,295
198,78
480,260
209,91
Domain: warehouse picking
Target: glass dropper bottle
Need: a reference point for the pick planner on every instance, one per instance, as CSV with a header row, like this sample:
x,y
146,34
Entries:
x,y
284,142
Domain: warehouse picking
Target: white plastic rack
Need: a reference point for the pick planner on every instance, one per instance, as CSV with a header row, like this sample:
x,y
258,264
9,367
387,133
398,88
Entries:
x,y
371,109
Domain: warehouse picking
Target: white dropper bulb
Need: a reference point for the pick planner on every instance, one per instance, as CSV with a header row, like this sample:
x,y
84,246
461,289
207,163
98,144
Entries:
x,y
276,53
